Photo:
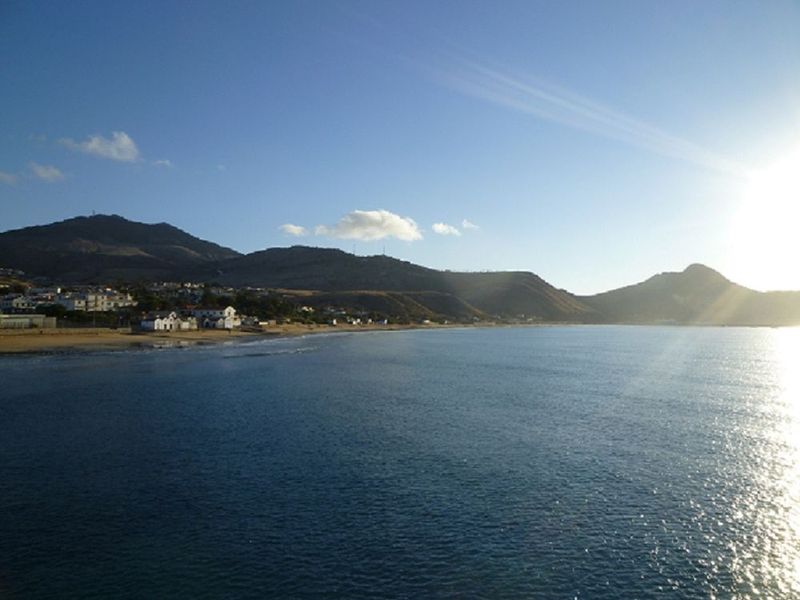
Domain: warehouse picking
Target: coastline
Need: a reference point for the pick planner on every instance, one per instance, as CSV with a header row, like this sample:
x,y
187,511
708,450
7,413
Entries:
x,y
43,341
80,341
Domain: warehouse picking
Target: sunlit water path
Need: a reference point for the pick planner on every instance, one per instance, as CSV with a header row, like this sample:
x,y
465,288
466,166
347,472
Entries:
x,y
563,462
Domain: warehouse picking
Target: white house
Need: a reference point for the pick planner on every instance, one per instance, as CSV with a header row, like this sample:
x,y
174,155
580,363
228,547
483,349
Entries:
x,y
217,318
187,323
159,322
167,321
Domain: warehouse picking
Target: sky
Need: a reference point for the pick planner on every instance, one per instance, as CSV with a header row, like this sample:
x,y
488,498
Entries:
x,y
593,143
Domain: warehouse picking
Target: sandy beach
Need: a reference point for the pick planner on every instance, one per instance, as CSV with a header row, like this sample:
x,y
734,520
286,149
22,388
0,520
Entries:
x,y
89,340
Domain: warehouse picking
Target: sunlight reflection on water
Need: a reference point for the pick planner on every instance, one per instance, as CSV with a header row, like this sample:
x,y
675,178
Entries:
x,y
787,499
584,462
765,559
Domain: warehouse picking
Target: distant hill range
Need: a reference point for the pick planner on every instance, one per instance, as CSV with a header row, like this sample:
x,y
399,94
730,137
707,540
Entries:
x,y
381,281
105,249
698,295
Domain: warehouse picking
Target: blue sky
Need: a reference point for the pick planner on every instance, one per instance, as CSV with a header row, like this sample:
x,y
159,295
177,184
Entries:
x,y
594,143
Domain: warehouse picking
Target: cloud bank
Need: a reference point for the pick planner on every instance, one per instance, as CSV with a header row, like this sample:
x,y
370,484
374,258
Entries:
x,y
119,147
295,230
46,172
369,225
445,229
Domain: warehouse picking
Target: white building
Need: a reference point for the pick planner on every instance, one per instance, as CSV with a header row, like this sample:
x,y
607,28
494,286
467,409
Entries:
x,y
95,301
187,323
167,321
159,322
15,302
217,318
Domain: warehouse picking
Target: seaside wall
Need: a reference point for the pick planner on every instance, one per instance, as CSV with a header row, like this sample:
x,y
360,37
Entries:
x,y
50,331
27,322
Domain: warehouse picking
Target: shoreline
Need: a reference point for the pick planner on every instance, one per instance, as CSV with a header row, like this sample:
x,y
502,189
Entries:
x,y
22,342
85,341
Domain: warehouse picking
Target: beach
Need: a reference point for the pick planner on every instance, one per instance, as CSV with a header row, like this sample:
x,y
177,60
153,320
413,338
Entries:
x,y
16,341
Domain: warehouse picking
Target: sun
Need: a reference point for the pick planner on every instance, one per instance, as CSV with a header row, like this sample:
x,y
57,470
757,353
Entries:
x,y
765,236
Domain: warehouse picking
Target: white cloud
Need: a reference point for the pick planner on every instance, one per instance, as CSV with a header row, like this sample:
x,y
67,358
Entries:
x,y
163,162
8,178
467,224
46,172
368,225
295,230
120,147
445,229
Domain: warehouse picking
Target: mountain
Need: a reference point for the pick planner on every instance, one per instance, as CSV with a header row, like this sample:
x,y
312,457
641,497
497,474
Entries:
x,y
108,248
506,294
104,248
697,295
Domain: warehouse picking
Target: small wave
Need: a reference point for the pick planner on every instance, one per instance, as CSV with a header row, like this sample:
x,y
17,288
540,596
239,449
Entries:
x,y
273,352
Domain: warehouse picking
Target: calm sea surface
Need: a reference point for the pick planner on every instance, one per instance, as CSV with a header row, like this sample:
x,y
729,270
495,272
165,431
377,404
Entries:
x,y
553,462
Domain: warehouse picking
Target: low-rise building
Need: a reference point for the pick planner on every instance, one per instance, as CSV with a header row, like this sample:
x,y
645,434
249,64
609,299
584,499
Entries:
x,y
217,318
95,301
167,321
71,302
158,322
250,321
15,302
26,322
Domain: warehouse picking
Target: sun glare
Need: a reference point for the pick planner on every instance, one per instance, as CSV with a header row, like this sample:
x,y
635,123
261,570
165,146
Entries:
x,y
766,230
787,502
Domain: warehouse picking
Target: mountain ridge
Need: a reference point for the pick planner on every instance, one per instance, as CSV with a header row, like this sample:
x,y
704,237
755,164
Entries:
x,y
106,248
508,293
698,295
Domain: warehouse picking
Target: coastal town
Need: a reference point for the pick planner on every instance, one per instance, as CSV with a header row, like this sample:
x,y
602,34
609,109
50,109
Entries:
x,y
161,307
41,316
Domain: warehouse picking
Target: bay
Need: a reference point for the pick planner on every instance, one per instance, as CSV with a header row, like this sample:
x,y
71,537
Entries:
x,y
553,462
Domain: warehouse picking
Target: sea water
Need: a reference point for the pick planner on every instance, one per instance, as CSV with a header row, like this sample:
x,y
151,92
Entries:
x,y
546,462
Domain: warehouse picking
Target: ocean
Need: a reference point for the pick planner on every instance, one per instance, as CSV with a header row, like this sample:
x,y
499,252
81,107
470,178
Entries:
x,y
539,462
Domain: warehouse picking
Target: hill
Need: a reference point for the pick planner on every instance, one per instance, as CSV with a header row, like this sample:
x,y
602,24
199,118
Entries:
x,y
105,248
108,248
506,294
697,295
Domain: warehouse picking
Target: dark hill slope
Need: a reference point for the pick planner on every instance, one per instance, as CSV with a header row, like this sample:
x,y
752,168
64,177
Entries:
x,y
106,247
517,294
398,306
328,269
506,294
697,295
